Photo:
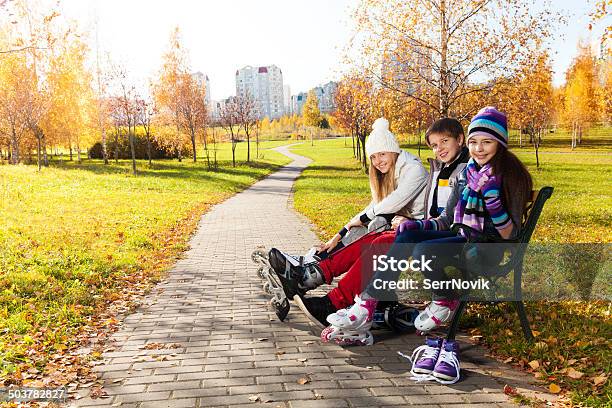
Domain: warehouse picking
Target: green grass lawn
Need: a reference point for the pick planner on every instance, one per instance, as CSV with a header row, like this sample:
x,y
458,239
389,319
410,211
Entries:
x,y
76,236
570,335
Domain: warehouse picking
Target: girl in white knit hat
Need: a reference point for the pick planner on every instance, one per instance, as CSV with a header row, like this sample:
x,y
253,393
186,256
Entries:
x,y
397,184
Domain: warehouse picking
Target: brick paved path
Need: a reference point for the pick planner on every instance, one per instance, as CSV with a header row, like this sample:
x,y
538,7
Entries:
x,y
231,347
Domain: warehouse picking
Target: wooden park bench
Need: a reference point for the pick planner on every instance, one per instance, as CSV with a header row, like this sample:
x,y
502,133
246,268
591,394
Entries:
x,y
513,262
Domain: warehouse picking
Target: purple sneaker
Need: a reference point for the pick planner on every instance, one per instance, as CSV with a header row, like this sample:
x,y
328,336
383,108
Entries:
x,y
426,356
447,368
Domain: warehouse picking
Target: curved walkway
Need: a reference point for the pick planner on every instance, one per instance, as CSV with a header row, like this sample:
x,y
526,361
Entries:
x,y
213,342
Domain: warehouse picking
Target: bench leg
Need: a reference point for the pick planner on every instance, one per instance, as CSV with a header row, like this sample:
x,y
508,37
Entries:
x,y
520,308
455,322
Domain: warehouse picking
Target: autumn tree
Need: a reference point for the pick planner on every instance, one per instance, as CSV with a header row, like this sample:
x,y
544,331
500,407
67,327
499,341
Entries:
x,y
230,121
357,106
14,92
191,105
580,102
529,99
102,82
71,113
248,118
167,92
26,39
445,47
343,115
311,114
129,106
146,111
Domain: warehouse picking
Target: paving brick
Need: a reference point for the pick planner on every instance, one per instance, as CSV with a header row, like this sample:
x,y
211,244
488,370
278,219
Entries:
x,y
151,379
173,403
255,389
144,396
476,398
375,382
174,385
200,392
201,375
435,399
376,401
319,403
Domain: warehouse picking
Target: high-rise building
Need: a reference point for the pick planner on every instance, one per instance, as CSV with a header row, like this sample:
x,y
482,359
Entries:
x,y
297,102
202,79
265,85
287,100
325,93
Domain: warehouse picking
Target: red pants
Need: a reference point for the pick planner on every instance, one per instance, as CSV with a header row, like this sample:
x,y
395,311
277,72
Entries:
x,y
349,259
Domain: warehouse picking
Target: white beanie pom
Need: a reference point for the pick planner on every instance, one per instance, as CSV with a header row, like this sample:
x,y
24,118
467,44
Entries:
x,y
380,125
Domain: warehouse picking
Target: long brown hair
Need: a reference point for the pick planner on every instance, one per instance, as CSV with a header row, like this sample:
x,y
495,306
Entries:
x,y
516,182
381,185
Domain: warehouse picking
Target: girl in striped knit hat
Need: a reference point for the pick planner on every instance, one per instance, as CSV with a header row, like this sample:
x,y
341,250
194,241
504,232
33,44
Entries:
x,y
492,203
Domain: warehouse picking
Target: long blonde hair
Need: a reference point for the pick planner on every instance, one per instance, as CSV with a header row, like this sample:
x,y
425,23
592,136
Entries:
x,y
381,185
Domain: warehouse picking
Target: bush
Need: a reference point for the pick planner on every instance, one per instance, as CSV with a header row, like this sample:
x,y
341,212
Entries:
x,y
324,123
123,148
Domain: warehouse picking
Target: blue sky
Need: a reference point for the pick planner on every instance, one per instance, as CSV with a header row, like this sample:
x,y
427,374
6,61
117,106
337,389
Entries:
x,y
304,38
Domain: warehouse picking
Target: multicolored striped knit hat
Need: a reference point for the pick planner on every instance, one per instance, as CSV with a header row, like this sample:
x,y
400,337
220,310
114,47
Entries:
x,y
491,123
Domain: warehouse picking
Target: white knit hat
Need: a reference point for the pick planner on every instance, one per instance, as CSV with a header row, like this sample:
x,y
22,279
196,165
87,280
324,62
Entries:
x,y
381,139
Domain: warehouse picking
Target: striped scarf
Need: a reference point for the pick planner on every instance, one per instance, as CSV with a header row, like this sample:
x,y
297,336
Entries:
x,y
481,195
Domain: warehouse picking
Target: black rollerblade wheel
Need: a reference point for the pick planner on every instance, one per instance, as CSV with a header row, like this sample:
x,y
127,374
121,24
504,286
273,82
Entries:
x,y
267,288
258,255
261,273
281,309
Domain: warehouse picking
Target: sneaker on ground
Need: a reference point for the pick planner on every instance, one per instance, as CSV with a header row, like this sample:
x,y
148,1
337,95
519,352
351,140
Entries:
x,y
425,357
447,369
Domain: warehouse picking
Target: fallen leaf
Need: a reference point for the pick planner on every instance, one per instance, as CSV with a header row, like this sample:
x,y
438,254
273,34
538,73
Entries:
x,y
97,393
280,353
509,359
571,361
554,388
117,404
254,398
599,380
571,373
118,380
302,360
508,390
535,333
534,364
303,381
262,339
308,342
318,396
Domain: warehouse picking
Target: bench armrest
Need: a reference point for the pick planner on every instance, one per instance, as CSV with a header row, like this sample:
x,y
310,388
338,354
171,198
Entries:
x,y
473,235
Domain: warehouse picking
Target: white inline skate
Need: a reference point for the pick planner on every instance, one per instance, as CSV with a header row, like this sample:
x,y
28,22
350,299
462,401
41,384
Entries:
x,y
351,326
